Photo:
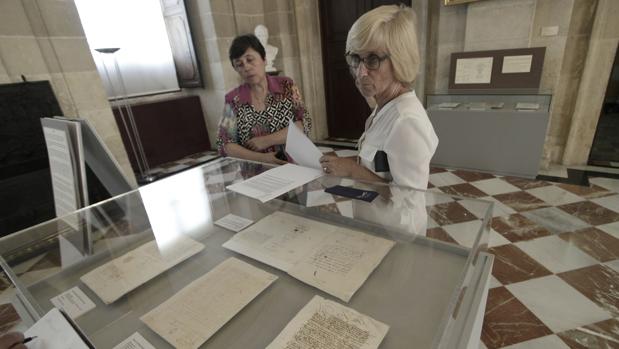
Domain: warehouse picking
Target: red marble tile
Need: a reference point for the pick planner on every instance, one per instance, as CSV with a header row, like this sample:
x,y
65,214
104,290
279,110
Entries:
x,y
525,183
517,227
4,281
511,265
471,176
599,283
430,185
590,192
437,170
598,244
603,334
591,212
8,317
463,189
51,260
507,321
450,213
439,234
521,201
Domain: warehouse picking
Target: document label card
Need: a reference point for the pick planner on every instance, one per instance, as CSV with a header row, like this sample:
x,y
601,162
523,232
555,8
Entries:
x,y
233,222
74,302
135,341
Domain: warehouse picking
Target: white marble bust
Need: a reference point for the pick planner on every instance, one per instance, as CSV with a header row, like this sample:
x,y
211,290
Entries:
x,y
262,33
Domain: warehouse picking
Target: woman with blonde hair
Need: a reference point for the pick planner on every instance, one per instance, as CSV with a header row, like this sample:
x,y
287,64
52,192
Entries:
x,y
399,140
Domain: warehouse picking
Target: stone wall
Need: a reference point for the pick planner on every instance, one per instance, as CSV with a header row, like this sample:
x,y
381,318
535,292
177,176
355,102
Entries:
x,y
505,24
44,40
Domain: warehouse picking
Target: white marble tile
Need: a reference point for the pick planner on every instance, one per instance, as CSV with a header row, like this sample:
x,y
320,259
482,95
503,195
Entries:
x,y
345,208
547,342
610,202
318,198
479,208
554,195
495,186
558,305
555,220
465,234
494,282
556,254
610,228
443,179
607,183
437,197
432,223
613,264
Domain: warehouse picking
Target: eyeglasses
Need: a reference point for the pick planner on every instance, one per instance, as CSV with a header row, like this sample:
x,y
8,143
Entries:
x,y
371,62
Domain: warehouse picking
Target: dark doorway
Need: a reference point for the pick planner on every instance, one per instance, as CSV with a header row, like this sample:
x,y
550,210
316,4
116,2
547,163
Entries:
x,y
605,147
346,108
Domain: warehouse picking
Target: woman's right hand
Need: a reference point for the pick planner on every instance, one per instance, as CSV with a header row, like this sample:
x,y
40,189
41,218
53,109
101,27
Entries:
x,y
12,340
272,159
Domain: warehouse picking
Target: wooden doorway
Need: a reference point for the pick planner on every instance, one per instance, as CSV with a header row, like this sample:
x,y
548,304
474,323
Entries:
x,y
346,109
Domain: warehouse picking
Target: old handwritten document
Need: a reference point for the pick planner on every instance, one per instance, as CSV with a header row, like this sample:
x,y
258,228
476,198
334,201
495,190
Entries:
x,y
323,324
195,313
136,267
333,259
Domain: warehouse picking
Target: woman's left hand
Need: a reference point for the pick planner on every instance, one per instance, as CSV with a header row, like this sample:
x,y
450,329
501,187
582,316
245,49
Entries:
x,y
259,143
336,166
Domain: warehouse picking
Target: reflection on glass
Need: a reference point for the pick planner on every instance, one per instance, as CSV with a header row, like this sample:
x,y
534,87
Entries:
x,y
175,205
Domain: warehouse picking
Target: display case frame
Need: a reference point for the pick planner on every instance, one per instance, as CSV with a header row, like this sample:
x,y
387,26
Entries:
x,y
430,292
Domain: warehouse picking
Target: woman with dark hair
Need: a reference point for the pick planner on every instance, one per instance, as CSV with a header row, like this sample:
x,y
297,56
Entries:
x,y
256,114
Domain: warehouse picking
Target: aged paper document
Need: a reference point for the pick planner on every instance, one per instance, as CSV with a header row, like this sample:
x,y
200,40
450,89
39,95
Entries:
x,y
129,271
473,70
195,313
517,64
279,239
323,324
342,262
336,260
74,302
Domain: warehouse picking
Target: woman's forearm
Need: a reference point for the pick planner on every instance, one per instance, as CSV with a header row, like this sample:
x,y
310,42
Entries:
x,y
238,151
362,173
279,137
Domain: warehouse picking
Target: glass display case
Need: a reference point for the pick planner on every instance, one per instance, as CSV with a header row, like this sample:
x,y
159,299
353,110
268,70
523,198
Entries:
x,y
429,288
503,134
490,103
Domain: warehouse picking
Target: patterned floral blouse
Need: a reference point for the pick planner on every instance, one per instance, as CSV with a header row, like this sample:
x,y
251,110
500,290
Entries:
x,y
242,122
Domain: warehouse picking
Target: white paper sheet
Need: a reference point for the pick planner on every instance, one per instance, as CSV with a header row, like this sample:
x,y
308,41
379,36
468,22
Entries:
x,y
333,259
195,313
448,105
344,153
325,149
74,302
517,64
275,182
233,222
323,324
135,341
473,70
302,149
136,267
53,331
63,171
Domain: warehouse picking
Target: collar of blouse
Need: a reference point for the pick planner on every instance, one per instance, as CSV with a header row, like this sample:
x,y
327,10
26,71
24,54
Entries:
x,y
245,90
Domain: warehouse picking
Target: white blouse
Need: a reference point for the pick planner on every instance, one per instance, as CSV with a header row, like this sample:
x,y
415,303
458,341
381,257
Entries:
x,y
403,131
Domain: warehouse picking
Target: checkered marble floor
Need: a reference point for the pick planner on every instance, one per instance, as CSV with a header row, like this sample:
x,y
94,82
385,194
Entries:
x,y
555,281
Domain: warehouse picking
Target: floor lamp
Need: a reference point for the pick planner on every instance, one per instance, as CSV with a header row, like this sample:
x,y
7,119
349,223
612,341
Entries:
x,y
126,114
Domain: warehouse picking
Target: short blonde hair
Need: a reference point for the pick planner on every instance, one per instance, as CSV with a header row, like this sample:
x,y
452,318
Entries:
x,y
390,28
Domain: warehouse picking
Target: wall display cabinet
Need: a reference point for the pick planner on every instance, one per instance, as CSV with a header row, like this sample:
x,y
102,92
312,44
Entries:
x,y
503,134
